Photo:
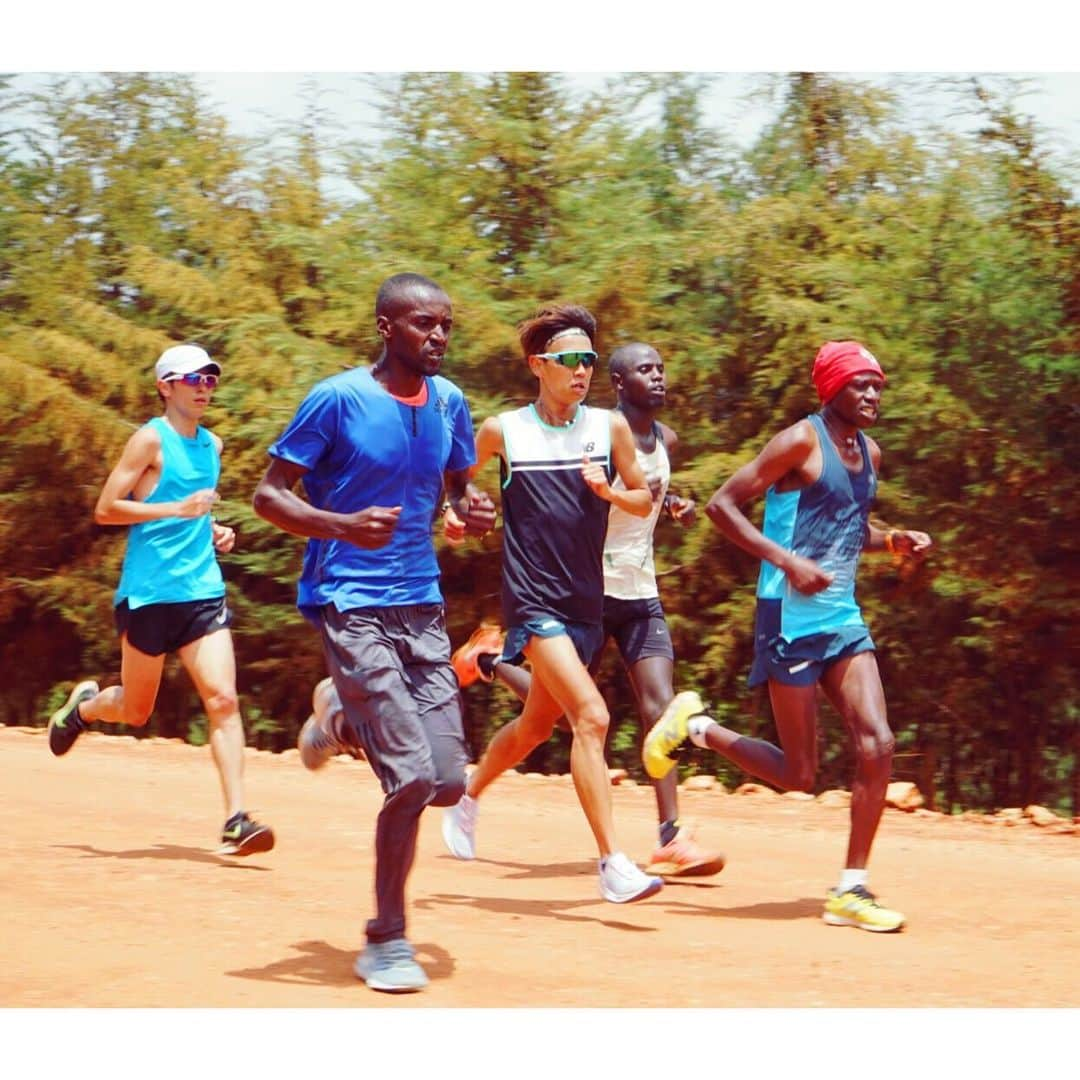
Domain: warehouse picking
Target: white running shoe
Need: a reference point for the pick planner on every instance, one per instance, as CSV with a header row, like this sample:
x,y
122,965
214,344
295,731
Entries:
x,y
623,882
459,828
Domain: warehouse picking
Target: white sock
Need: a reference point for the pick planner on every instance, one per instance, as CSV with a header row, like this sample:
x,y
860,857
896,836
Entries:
x,y
696,727
850,878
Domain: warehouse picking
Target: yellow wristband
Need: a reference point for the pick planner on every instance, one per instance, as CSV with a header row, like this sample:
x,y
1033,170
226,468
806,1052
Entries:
x,y
890,547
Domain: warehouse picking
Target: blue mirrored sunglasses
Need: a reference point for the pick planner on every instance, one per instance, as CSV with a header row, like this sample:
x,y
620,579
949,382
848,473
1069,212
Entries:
x,y
196,378
572,358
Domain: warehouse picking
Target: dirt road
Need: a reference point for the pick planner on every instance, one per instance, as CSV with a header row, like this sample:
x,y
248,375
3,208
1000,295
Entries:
x,y
113,896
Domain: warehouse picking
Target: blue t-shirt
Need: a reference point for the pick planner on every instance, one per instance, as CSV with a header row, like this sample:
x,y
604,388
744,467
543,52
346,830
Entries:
x,y
362,448
172,560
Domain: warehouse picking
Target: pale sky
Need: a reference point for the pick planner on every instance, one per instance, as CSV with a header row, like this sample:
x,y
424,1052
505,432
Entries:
x,y
252,102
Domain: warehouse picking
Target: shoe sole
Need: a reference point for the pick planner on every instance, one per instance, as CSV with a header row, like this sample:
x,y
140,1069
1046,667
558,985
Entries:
x,y
841,920
654,769
311,760
651,890
373,982
659,765
254,844
705,868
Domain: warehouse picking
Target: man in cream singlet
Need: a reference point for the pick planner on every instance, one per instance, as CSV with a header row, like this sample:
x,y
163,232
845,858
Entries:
x,y
633,614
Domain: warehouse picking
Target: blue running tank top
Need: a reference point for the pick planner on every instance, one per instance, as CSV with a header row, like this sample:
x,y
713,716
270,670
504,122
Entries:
x,y
553,525
827,522
172,560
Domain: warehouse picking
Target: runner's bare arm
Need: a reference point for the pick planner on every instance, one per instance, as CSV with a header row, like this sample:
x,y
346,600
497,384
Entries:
x,y
680,508
277,502
637,498
784,455
115,505
471,507
489,443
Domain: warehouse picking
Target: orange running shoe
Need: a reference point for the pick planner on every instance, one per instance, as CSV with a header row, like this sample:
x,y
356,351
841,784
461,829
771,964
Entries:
x,y
486,638
684,857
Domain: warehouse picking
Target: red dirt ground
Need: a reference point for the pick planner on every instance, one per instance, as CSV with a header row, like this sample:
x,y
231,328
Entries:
x,y
113,896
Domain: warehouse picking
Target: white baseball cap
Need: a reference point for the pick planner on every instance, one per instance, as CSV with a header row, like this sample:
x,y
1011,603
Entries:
x,y
182,360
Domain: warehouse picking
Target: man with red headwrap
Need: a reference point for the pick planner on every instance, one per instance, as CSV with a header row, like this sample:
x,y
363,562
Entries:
x,y
819,478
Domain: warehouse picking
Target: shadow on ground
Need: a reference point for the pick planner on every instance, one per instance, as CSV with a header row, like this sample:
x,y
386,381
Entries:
x,y
321,964
165,851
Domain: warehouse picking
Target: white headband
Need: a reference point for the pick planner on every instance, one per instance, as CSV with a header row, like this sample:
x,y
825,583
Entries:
x,y
575,330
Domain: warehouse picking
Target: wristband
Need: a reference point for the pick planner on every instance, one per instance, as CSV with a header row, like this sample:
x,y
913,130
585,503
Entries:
x,y
890,546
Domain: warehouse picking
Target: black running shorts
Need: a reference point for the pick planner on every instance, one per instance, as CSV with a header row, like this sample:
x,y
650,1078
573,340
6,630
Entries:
x,y
163,628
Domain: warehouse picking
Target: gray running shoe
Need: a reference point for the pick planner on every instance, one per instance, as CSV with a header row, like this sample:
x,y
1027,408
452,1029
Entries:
x,y
390,966
318,741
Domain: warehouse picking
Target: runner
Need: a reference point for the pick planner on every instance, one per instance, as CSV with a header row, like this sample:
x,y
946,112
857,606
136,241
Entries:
x,y
171,596
374,447
558,461
633,615
819,478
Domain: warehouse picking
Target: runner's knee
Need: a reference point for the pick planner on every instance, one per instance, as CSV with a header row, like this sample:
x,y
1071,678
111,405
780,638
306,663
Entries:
x,y
448,790
591,721
417,792
874,749
221,704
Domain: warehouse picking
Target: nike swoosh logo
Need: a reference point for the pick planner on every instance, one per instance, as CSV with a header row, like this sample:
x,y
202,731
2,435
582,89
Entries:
x,y
222,616
233,833
796,668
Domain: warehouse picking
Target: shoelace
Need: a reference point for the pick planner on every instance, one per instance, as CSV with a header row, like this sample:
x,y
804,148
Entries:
x,y
396,951
863,893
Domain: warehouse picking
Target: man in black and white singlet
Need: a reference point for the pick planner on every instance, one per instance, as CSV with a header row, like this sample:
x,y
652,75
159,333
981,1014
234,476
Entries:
x,y
633,615
558,459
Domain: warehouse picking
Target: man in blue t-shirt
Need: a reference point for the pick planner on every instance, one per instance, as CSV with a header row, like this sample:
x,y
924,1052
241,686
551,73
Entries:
x,y
374,448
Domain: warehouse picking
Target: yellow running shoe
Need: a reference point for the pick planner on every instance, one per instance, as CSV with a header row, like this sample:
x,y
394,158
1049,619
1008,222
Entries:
x,y
859,907
669,733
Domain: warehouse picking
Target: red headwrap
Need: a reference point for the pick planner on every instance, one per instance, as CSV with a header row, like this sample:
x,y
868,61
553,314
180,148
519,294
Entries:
x,y
837,363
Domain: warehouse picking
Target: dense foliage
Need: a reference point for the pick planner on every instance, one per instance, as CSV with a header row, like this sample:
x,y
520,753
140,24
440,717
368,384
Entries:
x,y
130,218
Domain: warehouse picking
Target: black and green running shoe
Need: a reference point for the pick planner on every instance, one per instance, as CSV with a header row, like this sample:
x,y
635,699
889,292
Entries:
x,y
66,725
242,836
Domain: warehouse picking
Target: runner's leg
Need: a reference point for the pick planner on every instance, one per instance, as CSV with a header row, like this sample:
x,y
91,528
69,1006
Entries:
x,y
854,687
211,663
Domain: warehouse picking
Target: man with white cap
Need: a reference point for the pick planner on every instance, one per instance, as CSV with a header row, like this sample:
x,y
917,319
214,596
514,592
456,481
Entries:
x,y
171,596
819,478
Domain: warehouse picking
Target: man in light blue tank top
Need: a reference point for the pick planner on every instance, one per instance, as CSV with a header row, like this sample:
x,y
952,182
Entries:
x,y
818,477
171,596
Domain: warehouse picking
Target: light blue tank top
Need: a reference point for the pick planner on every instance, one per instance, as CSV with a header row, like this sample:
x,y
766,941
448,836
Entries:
x,y
172,560
826,522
